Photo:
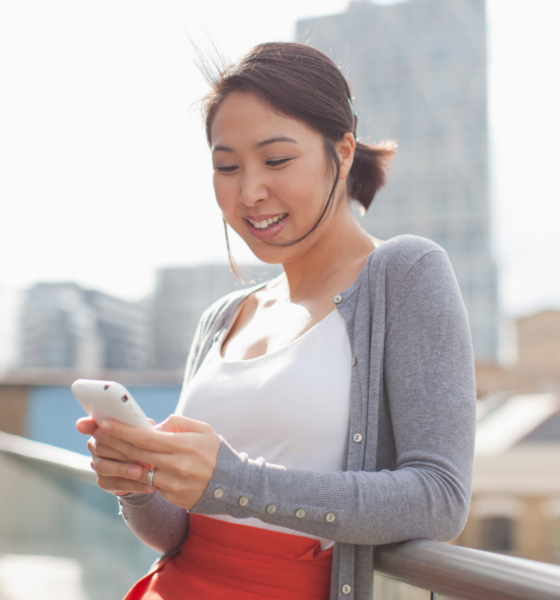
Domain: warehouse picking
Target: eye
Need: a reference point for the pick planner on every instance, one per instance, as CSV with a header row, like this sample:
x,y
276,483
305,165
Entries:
x,y
277,162
229,169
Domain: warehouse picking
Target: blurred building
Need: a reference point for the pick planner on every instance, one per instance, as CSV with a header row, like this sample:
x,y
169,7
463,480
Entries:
x,y
417,70
182,294
63,326
9,306
537,369
39,405
515,506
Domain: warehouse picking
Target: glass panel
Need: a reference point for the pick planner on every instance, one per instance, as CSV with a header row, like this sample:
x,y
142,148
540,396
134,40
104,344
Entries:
x,y
52,525
385,588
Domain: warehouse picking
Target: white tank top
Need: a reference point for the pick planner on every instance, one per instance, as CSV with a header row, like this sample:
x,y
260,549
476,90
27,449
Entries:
x,y
290,407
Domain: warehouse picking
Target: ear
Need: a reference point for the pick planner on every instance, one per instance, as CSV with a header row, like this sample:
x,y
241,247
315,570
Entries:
x,y
345,149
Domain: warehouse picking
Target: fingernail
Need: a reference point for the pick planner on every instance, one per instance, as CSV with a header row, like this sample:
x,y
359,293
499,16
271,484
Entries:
x,y
134,471
105,425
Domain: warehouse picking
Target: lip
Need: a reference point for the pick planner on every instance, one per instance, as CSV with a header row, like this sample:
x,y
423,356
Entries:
x,y
259,218
270,232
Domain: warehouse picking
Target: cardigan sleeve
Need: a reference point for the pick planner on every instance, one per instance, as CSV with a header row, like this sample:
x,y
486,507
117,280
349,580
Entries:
x,y
158,523
429,383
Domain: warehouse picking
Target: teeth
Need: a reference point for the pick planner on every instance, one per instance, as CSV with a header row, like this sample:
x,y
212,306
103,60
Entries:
x,y
268,222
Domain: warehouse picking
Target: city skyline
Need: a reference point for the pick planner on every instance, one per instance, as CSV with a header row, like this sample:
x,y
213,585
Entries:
x,y
78,136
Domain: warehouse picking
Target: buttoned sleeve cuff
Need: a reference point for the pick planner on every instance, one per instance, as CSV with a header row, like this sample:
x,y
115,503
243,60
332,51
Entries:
x,y
234,490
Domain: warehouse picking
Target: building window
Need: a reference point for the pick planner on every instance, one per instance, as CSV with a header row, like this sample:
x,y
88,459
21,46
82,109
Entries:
x,y
497,534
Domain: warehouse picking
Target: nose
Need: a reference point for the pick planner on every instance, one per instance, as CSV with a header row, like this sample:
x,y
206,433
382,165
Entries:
x,y
253,188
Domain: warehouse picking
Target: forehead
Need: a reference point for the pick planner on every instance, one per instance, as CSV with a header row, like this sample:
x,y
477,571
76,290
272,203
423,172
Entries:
x,y
243,117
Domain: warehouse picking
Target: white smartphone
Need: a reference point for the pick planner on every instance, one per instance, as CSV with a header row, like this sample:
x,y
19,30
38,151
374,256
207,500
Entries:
x,y
109,400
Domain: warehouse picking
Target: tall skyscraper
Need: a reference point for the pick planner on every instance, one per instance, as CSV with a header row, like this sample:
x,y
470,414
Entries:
x,y
417,70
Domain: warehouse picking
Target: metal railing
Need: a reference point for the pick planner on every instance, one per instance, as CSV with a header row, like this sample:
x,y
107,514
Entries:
x,y
466,574
50,507
52,515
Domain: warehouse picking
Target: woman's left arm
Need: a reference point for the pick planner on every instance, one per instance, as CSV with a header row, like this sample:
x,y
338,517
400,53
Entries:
x,y
430,389
429,382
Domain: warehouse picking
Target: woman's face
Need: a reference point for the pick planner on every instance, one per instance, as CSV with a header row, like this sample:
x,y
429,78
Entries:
x,y
272,177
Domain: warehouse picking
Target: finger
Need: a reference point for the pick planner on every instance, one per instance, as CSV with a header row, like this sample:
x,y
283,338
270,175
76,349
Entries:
x,y
119,448
133,454
116,485
105,451
111,432
86,425
178,490
178,424
121,470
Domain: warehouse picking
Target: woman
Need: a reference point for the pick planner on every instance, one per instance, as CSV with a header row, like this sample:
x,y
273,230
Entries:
x,y
325,412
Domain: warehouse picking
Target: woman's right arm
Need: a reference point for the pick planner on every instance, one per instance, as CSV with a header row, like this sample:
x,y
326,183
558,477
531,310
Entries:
x,y
158,523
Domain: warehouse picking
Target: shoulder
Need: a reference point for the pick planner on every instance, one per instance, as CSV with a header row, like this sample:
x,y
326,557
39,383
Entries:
x,y
396,258
219,312
395,266
405,251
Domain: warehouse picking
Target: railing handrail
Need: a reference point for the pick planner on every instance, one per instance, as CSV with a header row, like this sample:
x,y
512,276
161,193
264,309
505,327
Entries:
x,y
461,573
467,574
70,463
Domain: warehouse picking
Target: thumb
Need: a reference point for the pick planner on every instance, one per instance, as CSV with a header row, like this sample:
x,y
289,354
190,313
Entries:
x,y
177,424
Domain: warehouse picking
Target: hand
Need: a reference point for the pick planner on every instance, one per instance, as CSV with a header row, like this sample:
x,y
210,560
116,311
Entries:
x,y
183,451
130,475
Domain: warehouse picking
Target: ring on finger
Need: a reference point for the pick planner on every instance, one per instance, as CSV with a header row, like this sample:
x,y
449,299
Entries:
x,y
151,476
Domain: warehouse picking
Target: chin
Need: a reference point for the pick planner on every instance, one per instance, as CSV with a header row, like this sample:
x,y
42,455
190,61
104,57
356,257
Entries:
x,y
270,256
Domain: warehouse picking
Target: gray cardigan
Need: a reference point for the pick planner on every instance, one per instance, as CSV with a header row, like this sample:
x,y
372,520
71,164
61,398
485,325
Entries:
x,y
411,429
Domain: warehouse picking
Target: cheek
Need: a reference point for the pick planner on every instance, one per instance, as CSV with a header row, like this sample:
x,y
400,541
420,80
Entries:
x,y
305,191
226,193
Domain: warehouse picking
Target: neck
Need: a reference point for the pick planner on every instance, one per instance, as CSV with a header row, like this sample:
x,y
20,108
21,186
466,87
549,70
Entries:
x,y
337,245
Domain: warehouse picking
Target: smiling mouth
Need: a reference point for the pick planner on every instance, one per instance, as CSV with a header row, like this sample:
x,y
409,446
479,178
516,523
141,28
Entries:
x,y
266,223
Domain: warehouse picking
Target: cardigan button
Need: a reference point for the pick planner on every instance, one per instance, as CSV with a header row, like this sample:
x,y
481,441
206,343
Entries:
x,y
243,501
331,518
346,589
300,513
218,493
357,437
337,299
271,509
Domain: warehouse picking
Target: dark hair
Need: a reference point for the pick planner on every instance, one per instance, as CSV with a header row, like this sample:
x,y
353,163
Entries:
x,y
302,82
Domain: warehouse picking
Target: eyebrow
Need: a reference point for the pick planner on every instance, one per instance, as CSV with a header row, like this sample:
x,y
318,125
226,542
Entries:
x,y
280,138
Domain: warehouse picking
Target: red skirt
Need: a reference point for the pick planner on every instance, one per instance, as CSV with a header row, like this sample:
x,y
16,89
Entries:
x,y
225,560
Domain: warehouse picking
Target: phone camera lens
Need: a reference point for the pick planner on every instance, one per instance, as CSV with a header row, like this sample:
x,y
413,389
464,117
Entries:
x,y
124,398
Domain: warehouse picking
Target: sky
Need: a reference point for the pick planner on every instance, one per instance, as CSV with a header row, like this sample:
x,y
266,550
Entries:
x,y
105,175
